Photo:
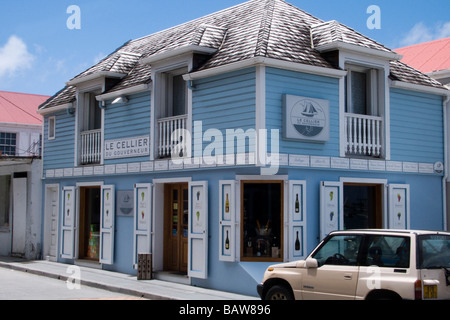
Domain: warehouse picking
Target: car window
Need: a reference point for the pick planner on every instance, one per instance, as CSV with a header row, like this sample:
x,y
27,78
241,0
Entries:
x,y
434,251
339,250
387,251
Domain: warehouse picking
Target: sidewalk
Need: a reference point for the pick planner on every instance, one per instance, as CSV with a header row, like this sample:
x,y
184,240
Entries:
x,y
120,283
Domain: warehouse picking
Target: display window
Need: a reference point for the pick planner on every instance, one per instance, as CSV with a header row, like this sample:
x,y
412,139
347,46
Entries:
x,y
262,220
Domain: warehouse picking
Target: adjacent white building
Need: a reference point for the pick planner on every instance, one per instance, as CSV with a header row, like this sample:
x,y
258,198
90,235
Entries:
x,y
20,172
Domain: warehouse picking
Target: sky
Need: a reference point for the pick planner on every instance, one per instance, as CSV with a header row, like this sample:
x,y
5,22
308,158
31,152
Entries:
x,y
45,43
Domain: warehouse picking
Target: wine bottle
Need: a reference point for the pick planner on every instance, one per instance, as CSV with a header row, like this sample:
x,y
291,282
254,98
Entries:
x,y
297,243
297,204
227,205
227,242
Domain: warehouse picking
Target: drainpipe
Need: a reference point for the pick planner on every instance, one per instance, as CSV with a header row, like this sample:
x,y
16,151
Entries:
x,y
446,163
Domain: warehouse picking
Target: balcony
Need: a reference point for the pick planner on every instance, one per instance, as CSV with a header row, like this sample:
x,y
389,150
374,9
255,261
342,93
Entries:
x,y
166,128
91,147
364,135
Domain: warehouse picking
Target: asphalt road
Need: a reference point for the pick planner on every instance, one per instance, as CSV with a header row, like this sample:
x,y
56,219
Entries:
x,y
18,285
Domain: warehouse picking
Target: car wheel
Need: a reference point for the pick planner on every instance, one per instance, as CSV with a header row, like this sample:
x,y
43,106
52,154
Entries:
x,y
279,292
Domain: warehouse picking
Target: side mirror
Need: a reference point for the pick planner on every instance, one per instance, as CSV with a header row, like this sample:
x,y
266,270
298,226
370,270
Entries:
x,y
311,263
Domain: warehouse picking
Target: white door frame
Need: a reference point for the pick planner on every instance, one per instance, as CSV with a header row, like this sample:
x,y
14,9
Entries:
x,y
158,219
78,209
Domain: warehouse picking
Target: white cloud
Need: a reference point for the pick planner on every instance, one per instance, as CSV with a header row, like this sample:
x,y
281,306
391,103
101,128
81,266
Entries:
x,y
423,33
14,56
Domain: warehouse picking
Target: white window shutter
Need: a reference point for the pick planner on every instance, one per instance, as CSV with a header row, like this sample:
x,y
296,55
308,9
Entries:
x,y
331,207
399,206
68,223
198,230
297,220
142,223
107,224
227,216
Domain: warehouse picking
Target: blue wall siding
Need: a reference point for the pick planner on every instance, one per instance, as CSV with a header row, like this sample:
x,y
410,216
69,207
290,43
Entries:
x,y
59,153
280,82
225,101
128,120
426,213
417,132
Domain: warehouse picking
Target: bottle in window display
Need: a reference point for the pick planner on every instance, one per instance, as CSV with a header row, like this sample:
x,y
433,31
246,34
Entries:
x,y
297,243
227,242
297,204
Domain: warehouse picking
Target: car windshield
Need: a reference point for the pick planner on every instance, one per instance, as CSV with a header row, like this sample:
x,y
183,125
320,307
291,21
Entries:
x,y
434,251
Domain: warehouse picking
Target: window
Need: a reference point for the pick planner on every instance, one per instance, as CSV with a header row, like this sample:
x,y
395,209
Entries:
x,y
387,251
363,206
434,251
262,221
339,250
51,128
8,143
175,93
172,111
93,116
363,91
5,182
364,109
90,125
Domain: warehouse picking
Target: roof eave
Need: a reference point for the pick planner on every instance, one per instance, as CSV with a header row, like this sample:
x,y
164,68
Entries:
x,y
339,45
177,52
94,76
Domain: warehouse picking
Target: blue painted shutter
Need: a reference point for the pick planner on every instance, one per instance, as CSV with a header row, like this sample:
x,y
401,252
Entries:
x,y
107,224
198,230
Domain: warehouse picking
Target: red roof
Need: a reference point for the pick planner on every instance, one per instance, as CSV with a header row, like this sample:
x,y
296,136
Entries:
x,y
20,107
429,56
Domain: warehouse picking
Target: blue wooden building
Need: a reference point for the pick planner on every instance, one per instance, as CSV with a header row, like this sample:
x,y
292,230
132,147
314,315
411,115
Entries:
x,y
238,140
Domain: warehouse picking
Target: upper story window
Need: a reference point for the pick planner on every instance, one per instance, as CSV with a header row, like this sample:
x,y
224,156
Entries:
x,y
92,114
363,90
175,93
51,128
173,110
90,127
364,124
8,143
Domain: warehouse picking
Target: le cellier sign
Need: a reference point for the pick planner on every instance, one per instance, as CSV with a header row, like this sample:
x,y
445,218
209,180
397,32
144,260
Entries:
x,y
127,147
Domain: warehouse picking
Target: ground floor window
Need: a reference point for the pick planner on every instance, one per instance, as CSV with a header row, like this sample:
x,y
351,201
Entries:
x,y
362,206
5,182
261,220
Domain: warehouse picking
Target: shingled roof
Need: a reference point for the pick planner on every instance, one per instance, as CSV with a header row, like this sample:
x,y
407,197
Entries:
x,y
257,28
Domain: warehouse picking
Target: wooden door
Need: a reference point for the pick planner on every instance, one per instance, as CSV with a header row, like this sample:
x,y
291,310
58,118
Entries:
x,y
176,222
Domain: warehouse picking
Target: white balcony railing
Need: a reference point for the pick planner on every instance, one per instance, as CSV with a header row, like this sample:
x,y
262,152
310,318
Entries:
x,y
91,146
166,128
363,135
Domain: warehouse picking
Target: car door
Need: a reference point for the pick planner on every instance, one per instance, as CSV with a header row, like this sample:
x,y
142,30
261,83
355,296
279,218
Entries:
x,y
337,274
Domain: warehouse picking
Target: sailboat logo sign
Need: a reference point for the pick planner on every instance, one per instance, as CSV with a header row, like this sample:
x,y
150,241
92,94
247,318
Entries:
x,y
306,118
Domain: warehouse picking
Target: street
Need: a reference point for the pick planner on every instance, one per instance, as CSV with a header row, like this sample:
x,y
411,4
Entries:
x,y
18,285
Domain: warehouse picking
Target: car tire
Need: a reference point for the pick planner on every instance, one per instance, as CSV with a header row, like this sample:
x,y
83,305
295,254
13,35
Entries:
x,y
279,292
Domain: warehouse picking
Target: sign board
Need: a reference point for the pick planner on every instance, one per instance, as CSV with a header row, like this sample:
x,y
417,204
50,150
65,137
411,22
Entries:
x,y
306,119
127,147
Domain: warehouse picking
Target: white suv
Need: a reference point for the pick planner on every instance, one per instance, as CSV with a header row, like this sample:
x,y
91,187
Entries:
x,y
366,264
